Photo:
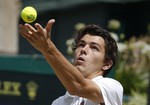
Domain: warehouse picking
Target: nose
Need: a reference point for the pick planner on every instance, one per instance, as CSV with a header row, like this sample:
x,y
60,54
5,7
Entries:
x,y
84,50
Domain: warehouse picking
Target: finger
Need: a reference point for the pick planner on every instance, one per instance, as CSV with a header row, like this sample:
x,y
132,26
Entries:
x,y
49,25
31,30
39,28
23,28
22,33
25,32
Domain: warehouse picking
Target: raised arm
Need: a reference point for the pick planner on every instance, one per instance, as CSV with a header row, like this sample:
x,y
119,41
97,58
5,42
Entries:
x,y
68,74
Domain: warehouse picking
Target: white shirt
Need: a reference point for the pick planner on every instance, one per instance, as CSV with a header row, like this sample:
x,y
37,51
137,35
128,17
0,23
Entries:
x,y
111,89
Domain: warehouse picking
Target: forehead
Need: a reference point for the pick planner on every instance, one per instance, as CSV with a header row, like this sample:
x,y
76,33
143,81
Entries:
x,y
91,38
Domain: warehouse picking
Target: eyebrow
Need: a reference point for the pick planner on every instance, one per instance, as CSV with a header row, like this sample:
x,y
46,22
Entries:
x,y
93,43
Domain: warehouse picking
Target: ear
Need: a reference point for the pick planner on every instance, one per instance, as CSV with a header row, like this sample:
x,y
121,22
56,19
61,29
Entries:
x,y
107,65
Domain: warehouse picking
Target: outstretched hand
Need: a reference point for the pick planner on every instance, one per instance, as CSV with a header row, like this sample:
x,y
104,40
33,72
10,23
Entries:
x,y
39,37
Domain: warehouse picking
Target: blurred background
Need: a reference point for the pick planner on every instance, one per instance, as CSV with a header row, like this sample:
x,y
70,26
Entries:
x,y
25,76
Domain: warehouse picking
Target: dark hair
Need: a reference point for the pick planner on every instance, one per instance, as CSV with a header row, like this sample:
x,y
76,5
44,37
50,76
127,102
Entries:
x,y
111,49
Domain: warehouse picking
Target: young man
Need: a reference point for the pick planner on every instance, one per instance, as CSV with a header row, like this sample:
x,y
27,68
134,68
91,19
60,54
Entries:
x,y
95,53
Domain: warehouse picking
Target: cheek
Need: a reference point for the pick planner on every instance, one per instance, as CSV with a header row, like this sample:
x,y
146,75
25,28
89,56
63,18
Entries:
x,y
98,60
75,54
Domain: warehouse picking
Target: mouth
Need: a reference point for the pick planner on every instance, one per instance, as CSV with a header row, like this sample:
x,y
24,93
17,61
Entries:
x,y
80,59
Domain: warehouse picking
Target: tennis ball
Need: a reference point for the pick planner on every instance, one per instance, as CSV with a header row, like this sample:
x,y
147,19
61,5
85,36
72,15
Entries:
x,y
29,14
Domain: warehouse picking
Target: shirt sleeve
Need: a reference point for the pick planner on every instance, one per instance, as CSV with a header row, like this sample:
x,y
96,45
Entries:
x,y
63,100
112,91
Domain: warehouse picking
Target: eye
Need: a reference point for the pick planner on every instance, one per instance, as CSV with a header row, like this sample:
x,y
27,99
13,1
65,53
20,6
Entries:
x,y
94,48
80,45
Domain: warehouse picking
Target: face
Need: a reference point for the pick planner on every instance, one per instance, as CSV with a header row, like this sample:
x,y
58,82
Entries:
x,y
89,55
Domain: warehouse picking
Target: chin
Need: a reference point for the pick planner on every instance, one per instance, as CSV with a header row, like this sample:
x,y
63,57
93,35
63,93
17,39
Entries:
x,y
78,67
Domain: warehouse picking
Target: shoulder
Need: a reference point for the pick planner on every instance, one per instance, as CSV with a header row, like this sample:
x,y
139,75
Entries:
x,y
108,83
111,89
111,81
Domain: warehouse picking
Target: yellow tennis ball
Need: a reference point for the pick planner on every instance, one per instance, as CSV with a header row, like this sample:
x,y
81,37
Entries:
x,y
29,14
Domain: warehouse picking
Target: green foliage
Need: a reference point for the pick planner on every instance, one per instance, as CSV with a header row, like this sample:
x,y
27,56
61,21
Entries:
x,y
133,68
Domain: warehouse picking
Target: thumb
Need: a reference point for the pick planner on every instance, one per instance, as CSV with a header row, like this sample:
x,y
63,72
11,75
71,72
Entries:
x,y
49,25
